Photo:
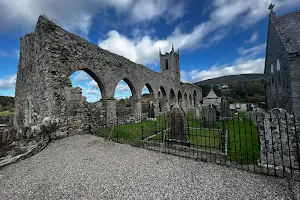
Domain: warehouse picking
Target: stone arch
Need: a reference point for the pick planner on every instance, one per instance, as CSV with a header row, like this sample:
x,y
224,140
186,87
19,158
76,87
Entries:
x,y
96,78
186,101
195,98
190,100
148,100
148,86
130,85
172,97
162,99
127,107
179,96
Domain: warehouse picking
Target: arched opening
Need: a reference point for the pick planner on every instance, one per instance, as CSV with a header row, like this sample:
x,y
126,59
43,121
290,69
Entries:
x,y
179,97
125,95
195,98
147,100
86,83
172,98
186,102
167,64
191,100
83,91
162,99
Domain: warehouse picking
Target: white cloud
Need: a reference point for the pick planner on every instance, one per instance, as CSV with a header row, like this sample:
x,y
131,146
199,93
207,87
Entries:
x,y
81,76
240,66
14,53
92,91
8,82
150,9
76,15
253,50
226,14
93,84
122,87
253,37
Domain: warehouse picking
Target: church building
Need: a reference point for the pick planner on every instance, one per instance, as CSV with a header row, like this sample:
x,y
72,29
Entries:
x,y
282,64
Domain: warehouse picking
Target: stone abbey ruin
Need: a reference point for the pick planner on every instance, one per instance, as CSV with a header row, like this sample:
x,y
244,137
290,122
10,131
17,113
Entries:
x,y
50,54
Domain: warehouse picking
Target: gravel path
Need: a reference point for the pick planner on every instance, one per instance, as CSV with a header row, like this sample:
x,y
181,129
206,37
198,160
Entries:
x,y
87,167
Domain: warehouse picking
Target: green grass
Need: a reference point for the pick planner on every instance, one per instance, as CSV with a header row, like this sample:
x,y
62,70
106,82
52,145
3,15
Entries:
x,y
243,140
242,136
132,133
5,113
205,138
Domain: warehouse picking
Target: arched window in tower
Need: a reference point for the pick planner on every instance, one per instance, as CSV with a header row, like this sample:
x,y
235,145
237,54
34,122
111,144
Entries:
x,y
167,64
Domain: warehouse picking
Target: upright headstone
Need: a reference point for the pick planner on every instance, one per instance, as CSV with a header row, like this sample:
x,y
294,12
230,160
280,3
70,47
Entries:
x,y
151,112
178,125
209,116
224,107
197,112
279,139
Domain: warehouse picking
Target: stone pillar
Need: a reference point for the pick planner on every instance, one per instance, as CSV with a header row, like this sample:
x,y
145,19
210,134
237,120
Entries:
x,y
156,107
138,109
183,107
110,107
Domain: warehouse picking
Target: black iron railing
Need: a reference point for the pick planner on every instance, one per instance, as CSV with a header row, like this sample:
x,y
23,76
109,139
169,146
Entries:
x,y
247,140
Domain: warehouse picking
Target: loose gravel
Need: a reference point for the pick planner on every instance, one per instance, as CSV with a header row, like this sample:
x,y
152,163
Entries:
x,y
87,167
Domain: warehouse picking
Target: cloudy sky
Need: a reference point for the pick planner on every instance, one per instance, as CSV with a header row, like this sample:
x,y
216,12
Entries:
x,y
215,37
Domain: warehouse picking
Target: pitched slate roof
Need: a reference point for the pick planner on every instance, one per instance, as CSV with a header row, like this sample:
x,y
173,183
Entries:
x,y
288,27
211,95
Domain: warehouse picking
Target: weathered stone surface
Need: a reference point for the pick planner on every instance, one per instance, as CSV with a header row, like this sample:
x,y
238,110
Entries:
x,y
209,116
279,139
178,124
224,107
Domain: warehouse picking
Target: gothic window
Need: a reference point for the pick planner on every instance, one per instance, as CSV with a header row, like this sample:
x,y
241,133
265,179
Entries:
x,y
279,79
167,64
278,72
272,74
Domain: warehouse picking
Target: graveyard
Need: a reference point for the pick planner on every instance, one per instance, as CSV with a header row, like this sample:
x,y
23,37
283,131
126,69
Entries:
x,y
70,133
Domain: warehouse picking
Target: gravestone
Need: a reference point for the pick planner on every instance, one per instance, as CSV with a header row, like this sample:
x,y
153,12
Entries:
x,y
279,141
209,116
197,113
151,112
224,107
178,125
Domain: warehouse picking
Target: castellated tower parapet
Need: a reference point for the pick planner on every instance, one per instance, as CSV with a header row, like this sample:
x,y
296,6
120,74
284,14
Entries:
x,y
169,64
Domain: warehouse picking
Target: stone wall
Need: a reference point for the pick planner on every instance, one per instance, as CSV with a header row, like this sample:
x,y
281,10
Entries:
x,y
279,139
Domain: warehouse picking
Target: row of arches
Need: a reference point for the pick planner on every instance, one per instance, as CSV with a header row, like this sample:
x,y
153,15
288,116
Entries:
x,y
93,90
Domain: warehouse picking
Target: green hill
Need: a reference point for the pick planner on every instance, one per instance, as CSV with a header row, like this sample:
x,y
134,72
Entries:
x,y
241,88
7,103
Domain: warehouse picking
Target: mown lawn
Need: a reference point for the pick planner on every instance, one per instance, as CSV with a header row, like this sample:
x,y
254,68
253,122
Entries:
x,y
243,140
5,113
132,133
242,135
